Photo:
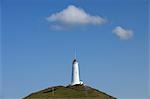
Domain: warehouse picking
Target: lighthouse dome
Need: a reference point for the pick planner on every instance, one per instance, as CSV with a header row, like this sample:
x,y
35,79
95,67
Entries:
x,y
75,60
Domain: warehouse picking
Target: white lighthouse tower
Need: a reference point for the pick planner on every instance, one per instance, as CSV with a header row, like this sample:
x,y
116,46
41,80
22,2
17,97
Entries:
x,y
75,73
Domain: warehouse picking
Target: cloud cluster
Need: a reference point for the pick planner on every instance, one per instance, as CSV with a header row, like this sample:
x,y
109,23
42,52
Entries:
x,y
73,16
123,33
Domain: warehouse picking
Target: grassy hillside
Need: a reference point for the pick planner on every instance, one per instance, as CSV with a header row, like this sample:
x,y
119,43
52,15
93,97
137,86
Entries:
x,y
69,92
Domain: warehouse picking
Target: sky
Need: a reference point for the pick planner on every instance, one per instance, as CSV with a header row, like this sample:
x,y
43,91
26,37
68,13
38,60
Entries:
x,y
39,39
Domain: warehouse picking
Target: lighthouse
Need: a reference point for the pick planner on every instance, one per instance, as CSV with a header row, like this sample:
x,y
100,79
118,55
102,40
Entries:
x,y
75,73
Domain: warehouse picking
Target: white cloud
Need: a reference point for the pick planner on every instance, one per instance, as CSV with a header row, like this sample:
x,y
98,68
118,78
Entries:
x,y
123,33
57,27
74,16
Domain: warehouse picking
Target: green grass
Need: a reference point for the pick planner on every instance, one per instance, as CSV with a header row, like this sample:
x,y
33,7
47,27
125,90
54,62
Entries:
x,y
69,92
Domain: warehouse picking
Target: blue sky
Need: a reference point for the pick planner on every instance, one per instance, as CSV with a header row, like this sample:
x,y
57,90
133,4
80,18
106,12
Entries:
x,y
36,56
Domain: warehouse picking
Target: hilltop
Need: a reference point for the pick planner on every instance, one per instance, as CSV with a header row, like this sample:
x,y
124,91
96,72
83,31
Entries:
x,y
69,92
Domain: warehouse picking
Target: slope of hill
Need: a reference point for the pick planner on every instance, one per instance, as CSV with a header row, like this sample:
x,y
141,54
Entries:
x,y
69,92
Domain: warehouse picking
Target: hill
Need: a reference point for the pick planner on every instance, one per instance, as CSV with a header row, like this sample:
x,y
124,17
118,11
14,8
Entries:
x,y
69,92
